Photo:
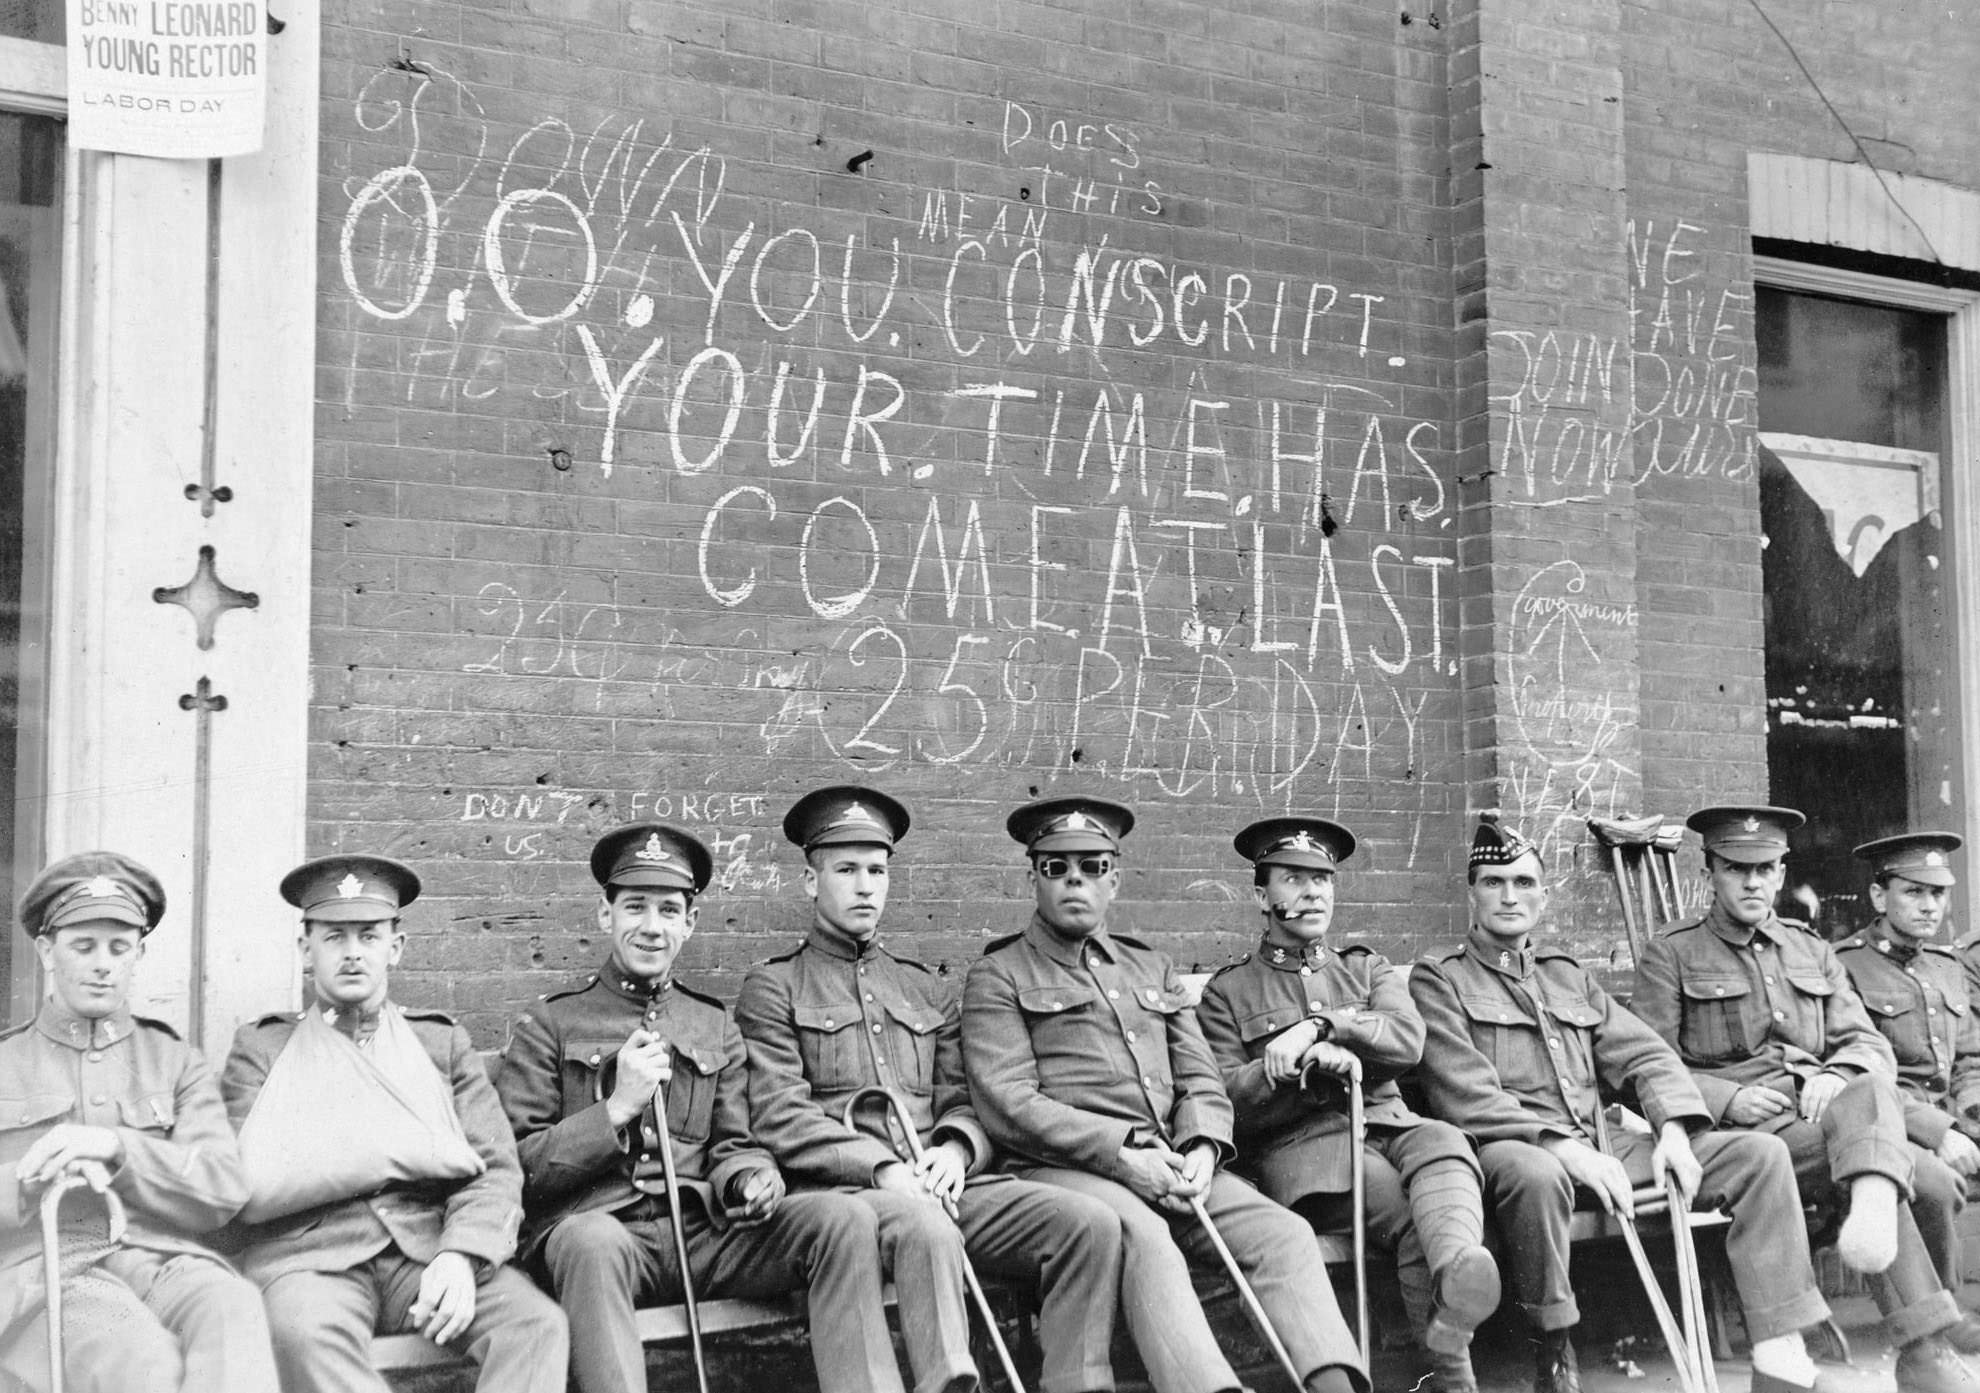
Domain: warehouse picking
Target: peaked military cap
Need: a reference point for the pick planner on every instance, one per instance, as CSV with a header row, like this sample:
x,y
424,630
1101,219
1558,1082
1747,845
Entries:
x,y
1925,857
845,815
1496,843
1310,842
652,856
93,887
351,888
1070,824
1745,835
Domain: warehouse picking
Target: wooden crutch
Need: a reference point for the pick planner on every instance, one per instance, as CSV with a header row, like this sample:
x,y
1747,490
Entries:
x,y
1691,1289
911,1139
51,1258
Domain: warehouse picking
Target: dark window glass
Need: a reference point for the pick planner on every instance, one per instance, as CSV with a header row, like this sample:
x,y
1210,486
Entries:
x,y
1862,721
45,21
30,273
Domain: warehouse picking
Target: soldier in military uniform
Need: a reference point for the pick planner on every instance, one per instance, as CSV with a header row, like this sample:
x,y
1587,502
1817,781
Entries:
x,y
88,1089
842,1013
1520,1044
422,1253
586,1079
1296,1006
1917,996
1087,1068
1779,1042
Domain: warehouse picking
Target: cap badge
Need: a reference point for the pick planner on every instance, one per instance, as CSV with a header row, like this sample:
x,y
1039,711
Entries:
x,y
855,813
1076,821
99,887
1301,841
1935,858
654,850
350,887
1752,824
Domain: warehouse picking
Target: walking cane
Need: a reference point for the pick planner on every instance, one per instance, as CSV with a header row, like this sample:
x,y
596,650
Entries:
x,y
1357,1191
673,1183
911,1139
1252,1305
1691,1290
51,1259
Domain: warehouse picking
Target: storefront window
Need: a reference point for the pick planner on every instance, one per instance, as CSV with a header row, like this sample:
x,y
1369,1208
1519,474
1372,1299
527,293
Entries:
x,y
31,154
1863,712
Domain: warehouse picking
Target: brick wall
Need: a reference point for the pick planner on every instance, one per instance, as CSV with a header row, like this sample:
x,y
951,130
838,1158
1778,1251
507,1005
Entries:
x,y
978,400
986,400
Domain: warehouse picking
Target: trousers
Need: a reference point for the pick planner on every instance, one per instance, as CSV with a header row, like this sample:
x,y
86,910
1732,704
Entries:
x,y
146,1322
322,1324
1274,1249
1746,1173
824,1243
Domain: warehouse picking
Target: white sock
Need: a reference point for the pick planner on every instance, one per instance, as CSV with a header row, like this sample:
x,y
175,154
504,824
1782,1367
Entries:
x,y
1786,1358
1868,1238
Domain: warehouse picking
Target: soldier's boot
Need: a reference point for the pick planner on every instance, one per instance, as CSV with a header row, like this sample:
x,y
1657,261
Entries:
x,y
1464,1279
1451,1373
1965,1336
1930,1366
1554,1366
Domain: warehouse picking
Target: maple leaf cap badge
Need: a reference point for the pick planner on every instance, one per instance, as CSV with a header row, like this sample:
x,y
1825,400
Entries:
x,y
350,887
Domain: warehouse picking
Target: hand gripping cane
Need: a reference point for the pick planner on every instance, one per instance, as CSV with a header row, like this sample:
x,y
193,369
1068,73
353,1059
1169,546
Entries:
x,y
673,1183
1357,1187
51,1259
911,1139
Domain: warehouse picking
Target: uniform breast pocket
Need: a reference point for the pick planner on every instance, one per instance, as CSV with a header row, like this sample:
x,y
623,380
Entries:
x,y
1714,1027
1505,1033
25,1116
691,1092
829,1045
1066,1039
913,1035
150,1112
1257,1029
1808,1023
589,1068
1898,1016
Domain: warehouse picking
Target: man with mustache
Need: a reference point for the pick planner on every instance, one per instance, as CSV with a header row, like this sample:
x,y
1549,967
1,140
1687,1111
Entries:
x,y
1087,1067
842,1013
1917,996
1780,1043
1294,1014
593,1072
384,1193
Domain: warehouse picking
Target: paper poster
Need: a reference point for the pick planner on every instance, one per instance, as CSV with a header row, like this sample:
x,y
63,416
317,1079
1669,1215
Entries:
x,y
177,79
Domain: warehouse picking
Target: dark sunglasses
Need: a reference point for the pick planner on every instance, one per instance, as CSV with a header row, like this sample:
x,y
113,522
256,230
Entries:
x,y
1057,867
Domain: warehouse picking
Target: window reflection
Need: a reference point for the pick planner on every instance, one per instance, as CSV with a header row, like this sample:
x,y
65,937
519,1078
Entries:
x,y
31,149
1861,731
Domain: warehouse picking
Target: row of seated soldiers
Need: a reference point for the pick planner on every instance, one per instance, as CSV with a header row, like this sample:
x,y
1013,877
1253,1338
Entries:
x,y
1073,1113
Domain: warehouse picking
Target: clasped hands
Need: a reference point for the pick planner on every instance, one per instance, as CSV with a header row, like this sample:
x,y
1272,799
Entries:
x,y
1293,1050
1165,1178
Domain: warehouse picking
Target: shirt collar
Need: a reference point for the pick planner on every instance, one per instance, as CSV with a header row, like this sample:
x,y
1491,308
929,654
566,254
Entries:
x,y
843,946
1897,947
1740,935
1494,953
1282,957
638,989
353,1022
1068,952
65,1027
